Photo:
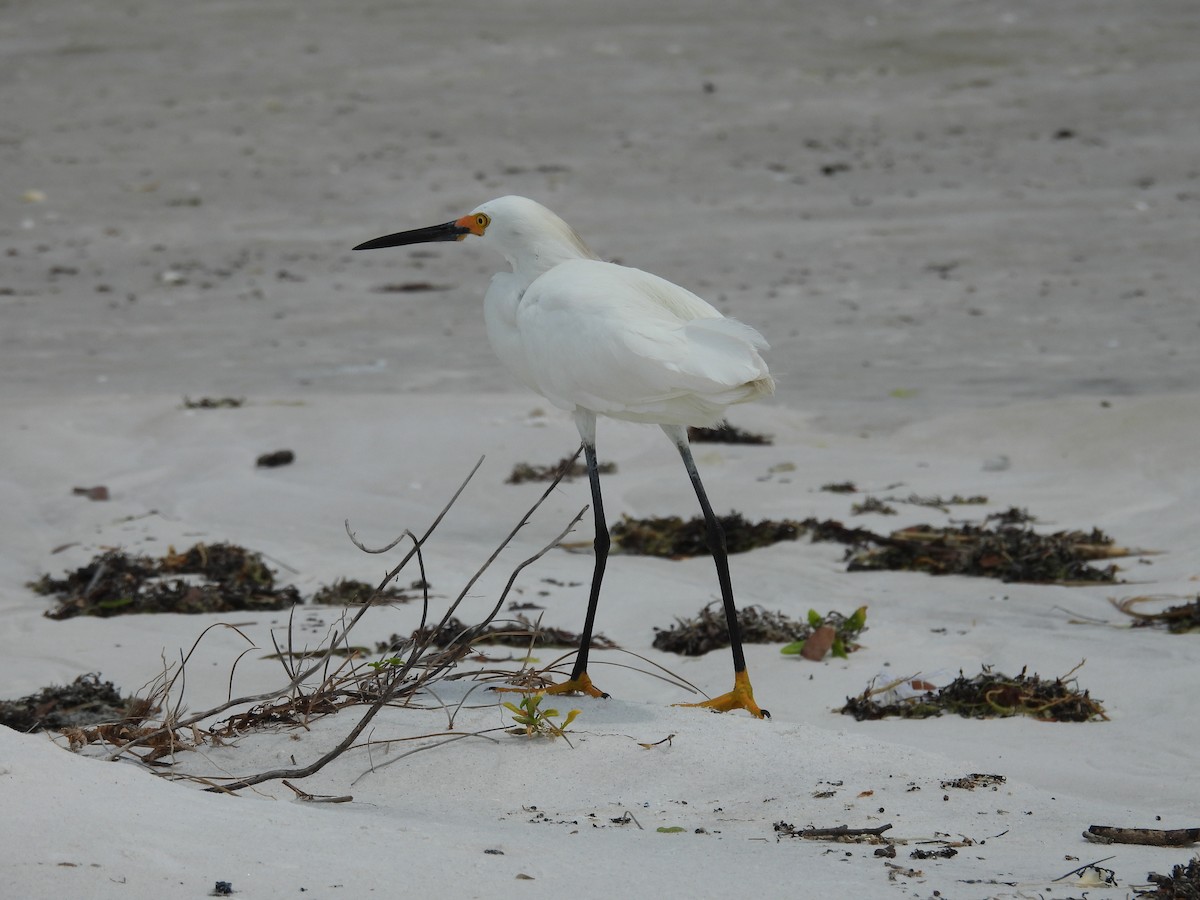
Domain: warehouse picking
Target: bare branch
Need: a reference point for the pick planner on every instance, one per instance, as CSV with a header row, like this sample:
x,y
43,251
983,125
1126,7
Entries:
x,y
399,677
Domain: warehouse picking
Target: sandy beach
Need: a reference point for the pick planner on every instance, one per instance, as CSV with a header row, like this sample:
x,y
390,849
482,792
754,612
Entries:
x,y
967,231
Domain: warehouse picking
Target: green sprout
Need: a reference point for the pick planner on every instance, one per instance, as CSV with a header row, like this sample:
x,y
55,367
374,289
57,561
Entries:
x,y
534,721
391,661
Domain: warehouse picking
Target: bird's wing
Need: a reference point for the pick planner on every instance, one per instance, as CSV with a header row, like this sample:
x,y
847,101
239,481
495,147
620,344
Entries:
x,y
618,340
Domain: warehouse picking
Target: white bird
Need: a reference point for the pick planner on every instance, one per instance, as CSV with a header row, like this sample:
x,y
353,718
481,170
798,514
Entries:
x,y
599,339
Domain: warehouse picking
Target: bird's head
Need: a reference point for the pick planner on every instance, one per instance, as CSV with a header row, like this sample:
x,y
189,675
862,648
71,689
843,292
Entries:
x,y
522,230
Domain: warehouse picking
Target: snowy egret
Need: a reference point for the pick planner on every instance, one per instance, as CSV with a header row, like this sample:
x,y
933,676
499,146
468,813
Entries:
x,y
599,339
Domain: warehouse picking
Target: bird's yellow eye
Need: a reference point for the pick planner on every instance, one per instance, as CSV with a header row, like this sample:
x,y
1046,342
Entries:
x,y
473,223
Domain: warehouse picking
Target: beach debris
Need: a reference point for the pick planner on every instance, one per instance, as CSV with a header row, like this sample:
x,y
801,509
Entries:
x,y
222,889
275,458
1014,515
349,651
224,577
523,472
709,630
974,780
939,853
517,632
91,711
652,744
1007,552
839,833
1179,619
1154,837
1091,875
872,505
895,871
938,502
840,487
724,433
85,701
1182,884
99,492
214,403
986,695
349,592
297,710
817,644
672,537
410,287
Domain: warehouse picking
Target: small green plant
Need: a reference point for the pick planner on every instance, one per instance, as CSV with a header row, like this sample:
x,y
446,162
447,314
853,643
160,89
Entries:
x,y
533,721
390,662
847,629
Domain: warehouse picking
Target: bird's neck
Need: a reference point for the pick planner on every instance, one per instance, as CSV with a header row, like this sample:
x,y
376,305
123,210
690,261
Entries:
x,y
548,249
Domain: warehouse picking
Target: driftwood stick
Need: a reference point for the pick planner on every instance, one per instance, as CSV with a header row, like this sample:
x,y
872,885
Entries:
x,y
1155,837
835,831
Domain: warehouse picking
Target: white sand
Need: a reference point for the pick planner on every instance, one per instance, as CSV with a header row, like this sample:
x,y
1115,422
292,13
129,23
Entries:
x,y
971,287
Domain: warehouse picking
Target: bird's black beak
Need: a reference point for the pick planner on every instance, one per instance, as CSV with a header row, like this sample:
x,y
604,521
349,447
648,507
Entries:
x,y
448,231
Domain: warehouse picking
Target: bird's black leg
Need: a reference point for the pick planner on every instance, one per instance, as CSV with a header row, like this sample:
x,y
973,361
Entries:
x,y
716,546
742,696
601,544
579,680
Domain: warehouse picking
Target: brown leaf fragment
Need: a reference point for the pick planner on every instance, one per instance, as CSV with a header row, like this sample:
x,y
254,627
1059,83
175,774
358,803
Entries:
x,y
99,492
818,644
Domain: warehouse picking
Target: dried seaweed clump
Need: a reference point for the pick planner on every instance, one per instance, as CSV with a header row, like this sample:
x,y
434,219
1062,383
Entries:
x,y
1009,552
840,487
85,701
1182,884
1179,619
1006,552
974,780
709,630
523,472
517,632
724,433
348,592
225,577
214,403
674,538
872,505
297,709
988,695
937,501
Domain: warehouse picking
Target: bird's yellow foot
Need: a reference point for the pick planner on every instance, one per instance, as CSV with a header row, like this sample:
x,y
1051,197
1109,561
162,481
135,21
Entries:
x,y
741,697
580,685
